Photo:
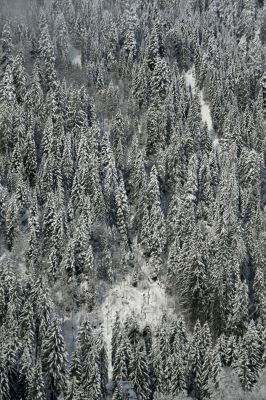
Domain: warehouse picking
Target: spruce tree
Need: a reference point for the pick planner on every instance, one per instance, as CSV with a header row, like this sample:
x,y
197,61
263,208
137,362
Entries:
x,y
48,59
122,358
54,360
29,157
91,377
238,320
4,382
249,362
196,361
6,48
139,373
116,329
11,223
36,389
20,78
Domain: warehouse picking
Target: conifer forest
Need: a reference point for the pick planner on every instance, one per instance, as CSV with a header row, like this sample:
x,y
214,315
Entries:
x,y
132,199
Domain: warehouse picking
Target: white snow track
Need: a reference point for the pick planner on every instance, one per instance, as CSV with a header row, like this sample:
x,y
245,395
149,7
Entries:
x,y
205,109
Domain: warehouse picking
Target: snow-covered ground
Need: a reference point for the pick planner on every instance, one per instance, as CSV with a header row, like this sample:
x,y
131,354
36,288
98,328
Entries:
x,y
190,79
205,112
216,143
75,56
148,302
205,109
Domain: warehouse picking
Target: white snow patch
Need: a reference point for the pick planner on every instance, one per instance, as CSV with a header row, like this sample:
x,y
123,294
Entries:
x,y
22,269
3,257
59,295
75,56
216,143
190,79
205,109
84,285
205,112
148,302
77,60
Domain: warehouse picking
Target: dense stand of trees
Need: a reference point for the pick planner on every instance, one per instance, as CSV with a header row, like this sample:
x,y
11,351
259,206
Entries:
x,y
109,156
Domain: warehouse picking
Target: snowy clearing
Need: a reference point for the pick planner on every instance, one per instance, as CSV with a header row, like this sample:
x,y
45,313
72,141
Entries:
x,y
148,302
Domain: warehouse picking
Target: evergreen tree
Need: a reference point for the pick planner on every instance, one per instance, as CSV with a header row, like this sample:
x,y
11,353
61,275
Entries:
x,y
84,340
61,38
7,93
139,373
122,358
36,389
159,80
238,320
103,364
91,377
29,158
116,329
48,59
155,133
20,78
211,373
152,49
11,222
6,48
248,364
4,386
260,295
76,368
118,393
196,362
54,360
